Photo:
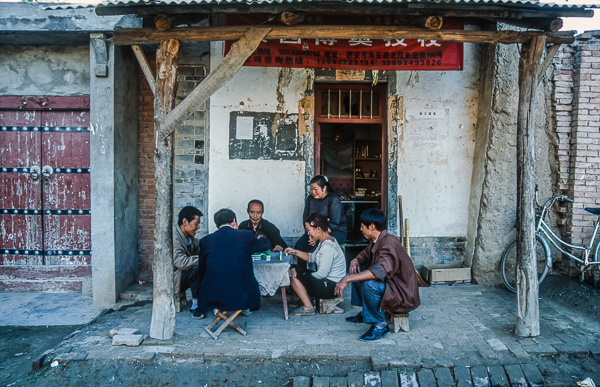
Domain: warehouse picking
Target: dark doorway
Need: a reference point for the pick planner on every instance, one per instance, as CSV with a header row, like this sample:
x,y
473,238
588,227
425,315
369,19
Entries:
x,y
350,150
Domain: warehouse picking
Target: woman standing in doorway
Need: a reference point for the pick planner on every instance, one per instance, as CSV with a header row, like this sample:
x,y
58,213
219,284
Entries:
x,y
323,200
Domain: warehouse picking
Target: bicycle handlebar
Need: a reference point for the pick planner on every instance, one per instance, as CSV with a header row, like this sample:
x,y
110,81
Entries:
x,y
567,199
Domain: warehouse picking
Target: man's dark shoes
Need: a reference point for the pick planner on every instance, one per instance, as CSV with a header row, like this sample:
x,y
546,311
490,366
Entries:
x,y
197,314
355,319
375,334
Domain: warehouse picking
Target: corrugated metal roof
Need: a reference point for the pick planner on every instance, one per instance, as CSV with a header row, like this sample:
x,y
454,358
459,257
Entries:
x,y
533,3
67,6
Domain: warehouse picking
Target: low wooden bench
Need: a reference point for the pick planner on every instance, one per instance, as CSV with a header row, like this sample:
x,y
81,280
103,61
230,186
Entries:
x,y
329,305
397,321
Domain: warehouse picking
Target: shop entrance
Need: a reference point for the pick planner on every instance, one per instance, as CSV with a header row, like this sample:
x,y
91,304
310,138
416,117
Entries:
x,y
350,149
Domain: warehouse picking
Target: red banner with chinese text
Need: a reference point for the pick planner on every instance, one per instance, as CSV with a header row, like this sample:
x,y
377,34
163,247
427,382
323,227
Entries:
x,y
354,54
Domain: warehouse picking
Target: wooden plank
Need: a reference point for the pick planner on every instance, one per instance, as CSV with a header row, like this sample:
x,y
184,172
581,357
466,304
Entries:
x,y
544,24
162,325
145,66
20,232
21,260
528,319
67,232
551,52
45,103
66,118
207,34
19,117
20,192
229,66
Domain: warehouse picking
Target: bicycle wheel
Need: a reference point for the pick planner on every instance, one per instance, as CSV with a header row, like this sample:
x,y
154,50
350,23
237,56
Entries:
x,y
509,262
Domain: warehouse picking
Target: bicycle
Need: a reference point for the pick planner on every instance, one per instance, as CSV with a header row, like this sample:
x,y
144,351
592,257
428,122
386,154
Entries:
x,y
543,234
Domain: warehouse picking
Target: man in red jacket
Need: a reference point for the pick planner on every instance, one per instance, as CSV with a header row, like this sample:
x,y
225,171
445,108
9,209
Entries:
x,y
383,275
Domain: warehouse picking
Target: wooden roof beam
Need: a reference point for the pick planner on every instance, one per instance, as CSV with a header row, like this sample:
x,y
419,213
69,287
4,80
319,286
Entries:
x,y
552,25
207,34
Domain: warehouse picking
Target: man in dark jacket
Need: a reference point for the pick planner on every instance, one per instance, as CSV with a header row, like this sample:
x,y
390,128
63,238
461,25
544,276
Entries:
x,y
383,276
229,283
258,225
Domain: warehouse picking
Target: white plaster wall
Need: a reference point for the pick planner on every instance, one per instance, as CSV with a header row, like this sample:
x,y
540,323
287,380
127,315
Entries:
x,y
436,147
233,183
44,70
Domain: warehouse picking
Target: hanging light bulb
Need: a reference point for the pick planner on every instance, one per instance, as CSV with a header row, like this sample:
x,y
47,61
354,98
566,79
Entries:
x,y
305,45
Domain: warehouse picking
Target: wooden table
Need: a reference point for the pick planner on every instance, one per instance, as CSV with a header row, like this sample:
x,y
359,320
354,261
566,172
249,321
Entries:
x,y
272,275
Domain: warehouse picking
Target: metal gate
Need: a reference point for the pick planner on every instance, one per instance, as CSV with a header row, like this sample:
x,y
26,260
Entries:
x,y
45,226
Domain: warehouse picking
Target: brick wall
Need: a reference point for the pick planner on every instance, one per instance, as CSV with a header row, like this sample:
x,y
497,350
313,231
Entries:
x,y
190,173
191,139
577,113
146,174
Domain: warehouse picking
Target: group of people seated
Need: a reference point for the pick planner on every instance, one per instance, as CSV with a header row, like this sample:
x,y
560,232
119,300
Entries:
x,y
218,268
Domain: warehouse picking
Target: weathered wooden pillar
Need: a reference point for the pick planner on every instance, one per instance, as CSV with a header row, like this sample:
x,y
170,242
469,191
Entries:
x,y
528,319
163,308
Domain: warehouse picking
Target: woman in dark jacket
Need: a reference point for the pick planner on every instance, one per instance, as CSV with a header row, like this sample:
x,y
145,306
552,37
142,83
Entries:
x,y
323,200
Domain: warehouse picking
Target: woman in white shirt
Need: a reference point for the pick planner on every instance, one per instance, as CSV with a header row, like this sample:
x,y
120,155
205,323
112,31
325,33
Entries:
x,y
330,261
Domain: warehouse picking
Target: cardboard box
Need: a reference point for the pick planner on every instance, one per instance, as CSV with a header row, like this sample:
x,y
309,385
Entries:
x,y
447,274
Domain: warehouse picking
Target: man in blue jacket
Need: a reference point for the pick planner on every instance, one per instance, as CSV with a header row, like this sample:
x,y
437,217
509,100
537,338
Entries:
x,y
229,283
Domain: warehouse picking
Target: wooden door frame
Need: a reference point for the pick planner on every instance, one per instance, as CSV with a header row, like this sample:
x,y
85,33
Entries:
x,y
380,120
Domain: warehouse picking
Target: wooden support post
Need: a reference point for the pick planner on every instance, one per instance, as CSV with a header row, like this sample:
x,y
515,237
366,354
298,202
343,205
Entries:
x,y
229,66
163,308
551,52
139,54
528,323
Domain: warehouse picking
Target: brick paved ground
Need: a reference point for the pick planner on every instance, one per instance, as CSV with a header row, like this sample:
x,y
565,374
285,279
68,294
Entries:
x,y
458,332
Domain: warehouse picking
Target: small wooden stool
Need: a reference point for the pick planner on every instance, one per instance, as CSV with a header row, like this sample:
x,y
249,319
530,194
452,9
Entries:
x,y
397,321
329,305
228,321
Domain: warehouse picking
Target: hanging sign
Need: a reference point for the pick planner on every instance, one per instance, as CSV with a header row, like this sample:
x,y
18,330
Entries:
x,y
353,54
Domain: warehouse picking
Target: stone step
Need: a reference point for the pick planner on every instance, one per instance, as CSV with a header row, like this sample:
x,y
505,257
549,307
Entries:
x,y
525,375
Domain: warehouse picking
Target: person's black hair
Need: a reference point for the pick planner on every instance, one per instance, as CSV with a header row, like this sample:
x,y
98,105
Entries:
x,y
256,201
189,213
317,219
322,182
224,216
373,216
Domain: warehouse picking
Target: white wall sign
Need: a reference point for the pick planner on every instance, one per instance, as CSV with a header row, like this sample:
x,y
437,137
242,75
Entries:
x,y
243,128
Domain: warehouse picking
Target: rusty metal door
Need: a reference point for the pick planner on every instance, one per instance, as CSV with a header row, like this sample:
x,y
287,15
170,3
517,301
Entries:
x,y
45,226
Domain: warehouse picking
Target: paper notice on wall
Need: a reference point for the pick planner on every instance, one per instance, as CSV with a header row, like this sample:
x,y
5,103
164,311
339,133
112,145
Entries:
x,y
244,126
424,114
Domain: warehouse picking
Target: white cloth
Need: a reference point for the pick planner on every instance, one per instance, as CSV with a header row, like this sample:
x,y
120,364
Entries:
x,y
271,275
330,260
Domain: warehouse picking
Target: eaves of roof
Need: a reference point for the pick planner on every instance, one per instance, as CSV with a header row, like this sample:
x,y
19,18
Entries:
x,y
506,9
531,3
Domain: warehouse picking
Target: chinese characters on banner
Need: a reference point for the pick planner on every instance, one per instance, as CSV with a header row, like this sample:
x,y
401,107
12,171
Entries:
x,y
364,54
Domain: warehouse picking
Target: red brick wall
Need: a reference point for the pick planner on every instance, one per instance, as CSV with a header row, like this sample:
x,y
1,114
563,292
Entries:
x,y
146,174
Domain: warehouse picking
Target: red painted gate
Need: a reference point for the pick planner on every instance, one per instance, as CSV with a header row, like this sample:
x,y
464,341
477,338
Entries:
x,y
45,227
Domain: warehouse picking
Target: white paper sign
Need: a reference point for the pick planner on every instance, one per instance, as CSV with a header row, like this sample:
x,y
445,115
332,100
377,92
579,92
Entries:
x,y
244,127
